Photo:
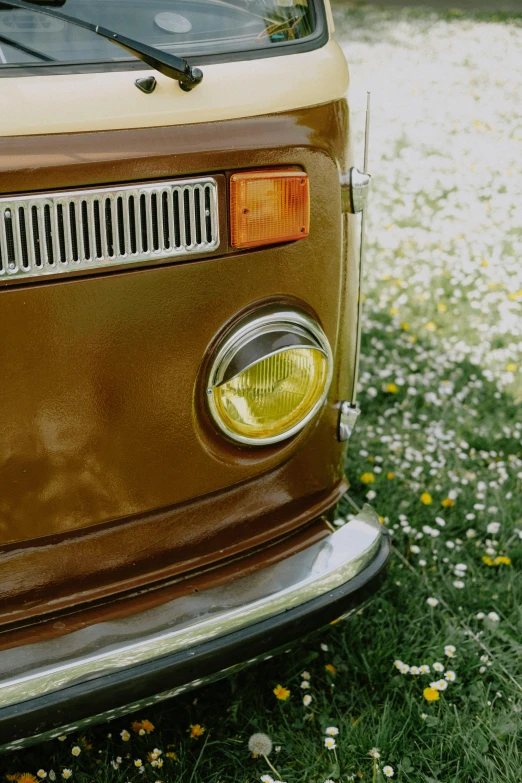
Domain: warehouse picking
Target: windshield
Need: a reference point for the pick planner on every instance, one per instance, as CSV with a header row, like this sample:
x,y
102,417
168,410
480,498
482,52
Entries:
x,y
187,28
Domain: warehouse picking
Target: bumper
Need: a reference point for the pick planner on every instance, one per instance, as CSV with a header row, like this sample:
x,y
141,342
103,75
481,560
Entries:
x,y
105,671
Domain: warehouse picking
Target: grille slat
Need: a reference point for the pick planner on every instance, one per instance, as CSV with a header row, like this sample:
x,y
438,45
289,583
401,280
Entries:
x,y
55,233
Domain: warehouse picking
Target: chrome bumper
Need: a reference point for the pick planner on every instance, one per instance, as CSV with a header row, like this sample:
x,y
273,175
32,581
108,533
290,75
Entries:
x,y
38,669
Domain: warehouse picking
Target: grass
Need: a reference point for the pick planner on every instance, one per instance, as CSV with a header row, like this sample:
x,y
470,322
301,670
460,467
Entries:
x,y
441,439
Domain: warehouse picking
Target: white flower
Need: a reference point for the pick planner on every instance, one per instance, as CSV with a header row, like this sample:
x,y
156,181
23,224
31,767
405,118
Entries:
x,y
305,675
480,615
125,735
329,743
62,737
332,731
388,771
307,700
404,668
493,616
41,773
439,685
398,664
138,763
76,750
305,684
415,549
414,670
266,779
324,647
438,667
52,774
374,753
260,744
450,650
432,601
424,715
458,584
424,669
493,527
66,773
450,676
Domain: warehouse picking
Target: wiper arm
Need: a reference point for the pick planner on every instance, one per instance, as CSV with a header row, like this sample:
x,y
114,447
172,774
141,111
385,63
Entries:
x,y
170,65
26,49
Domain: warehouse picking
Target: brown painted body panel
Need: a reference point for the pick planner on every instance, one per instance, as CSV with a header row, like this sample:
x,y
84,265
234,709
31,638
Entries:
x,y
111,476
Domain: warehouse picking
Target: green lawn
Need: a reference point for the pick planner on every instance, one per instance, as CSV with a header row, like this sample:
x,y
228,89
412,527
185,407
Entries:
x,y
439,447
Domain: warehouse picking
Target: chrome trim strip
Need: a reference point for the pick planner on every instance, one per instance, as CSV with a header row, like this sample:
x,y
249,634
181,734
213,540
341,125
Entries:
x,y
33,670
98,231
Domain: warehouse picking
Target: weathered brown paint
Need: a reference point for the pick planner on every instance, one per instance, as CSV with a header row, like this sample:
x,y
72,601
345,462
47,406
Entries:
x,y
111,475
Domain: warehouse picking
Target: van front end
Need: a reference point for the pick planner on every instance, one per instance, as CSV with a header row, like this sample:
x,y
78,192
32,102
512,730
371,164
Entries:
x,y
179,279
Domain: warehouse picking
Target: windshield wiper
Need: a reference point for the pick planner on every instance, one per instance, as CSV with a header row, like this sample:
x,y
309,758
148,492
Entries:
x,y
170,65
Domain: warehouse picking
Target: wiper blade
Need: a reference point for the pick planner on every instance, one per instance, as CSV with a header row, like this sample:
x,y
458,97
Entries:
x,y
170,65
26,49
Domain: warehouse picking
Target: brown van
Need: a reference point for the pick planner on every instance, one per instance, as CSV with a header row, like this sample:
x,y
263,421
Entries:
x,y
180,321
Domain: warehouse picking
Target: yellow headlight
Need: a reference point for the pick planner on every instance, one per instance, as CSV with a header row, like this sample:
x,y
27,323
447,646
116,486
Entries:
x,y
274,395
287,370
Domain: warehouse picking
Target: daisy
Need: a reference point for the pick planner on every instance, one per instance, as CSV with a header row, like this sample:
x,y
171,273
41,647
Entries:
x,y
432,601
450,650
41,774
332,731
307,700
66,773
388,771
76,750
414,670
438,667
329,743
424,668
125,735
374,753
305,684
493,616
450,676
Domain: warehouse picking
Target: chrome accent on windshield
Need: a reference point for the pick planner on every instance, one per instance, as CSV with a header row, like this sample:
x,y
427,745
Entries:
x,y
56,233
36,669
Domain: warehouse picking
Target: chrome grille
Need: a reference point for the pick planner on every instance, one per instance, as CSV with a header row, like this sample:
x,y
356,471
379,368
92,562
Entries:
x,y
88,229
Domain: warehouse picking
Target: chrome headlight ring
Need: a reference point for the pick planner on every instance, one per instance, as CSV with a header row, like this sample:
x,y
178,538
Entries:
x,y
257,338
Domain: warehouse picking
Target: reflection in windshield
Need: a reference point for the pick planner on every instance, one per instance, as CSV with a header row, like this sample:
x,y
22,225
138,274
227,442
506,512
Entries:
x,y
183,27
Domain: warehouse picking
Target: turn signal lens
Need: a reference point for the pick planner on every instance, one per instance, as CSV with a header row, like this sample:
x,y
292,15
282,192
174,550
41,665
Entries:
x,y
269,206
273,396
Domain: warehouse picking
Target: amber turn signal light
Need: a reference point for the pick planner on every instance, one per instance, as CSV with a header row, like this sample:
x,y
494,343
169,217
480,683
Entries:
x,y
269,206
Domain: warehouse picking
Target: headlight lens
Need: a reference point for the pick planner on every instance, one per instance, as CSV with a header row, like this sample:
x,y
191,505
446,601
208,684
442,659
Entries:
x,y
284,380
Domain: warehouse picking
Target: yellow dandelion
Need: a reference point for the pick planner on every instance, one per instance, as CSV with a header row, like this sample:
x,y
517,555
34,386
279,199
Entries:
x,y
442,307
487,560
281,693
368,478
511,367
484,263
171,755
431,694
390,476
405,326
196,730
426,498
447,503
147,725
394,311
25,777
502,560
330,668
391,388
